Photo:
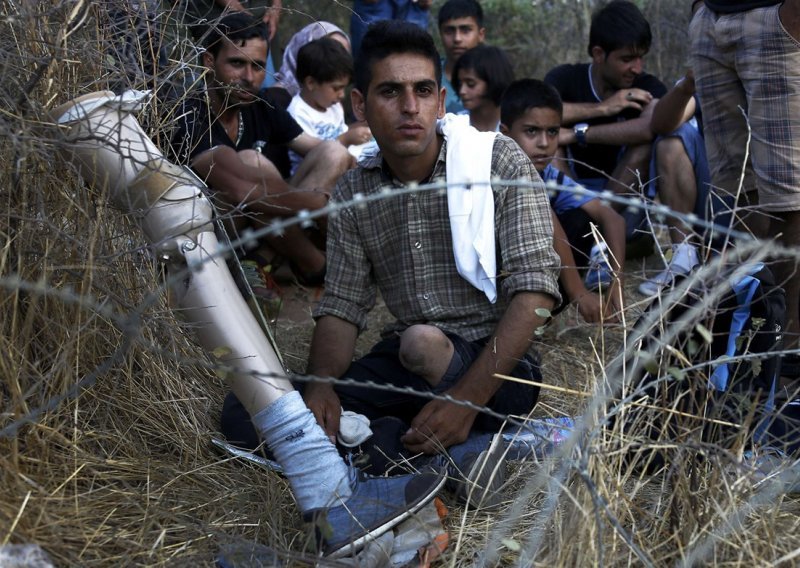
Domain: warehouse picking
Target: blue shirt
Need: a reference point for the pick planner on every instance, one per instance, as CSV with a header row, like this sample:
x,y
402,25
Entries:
x,y
451,102
563,200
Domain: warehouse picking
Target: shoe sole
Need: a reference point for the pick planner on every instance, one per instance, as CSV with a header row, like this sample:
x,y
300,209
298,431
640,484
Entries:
x,y
489,473
351,548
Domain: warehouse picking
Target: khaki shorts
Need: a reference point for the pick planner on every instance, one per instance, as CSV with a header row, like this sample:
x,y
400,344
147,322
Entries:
x,y
747,69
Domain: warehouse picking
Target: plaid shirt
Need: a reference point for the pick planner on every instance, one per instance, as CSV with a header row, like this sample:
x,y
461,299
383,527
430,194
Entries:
x,y
402,246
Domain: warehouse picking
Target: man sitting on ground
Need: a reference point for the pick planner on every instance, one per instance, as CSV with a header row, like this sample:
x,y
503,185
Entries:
x,y
461,29
224,133
451,335
608,102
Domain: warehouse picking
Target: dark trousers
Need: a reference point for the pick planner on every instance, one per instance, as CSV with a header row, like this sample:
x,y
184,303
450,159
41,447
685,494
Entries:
x,y
382,366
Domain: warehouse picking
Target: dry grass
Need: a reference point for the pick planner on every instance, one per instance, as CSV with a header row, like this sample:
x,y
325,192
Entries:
x,y
107,405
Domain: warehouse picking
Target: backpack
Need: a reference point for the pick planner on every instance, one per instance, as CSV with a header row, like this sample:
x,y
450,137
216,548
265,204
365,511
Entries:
x,y
708,360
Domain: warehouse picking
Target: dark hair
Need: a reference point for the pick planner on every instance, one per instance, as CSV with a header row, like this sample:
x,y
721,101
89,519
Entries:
x,y
456,9
491,64
390,37
236,27
324,60
617,25
526,94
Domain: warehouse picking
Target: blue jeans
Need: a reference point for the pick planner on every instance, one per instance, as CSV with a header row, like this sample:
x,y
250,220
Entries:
x,y
365,13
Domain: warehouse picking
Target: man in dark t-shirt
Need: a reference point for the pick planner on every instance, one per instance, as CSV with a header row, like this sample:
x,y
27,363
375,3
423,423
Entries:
x,y
225,133
608,102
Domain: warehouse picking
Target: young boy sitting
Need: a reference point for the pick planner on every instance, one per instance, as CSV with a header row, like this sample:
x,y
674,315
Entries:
x,y
531,114
324,69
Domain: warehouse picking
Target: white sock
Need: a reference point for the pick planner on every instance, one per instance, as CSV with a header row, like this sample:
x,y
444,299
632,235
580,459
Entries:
x,y
684,255
316,472
597,250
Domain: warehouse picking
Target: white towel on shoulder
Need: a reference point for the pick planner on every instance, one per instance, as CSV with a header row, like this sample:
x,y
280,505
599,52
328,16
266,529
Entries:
x,y
470,201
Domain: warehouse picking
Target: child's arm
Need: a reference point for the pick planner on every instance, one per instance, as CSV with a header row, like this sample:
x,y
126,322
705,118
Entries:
x,y
358,133
612,227
588,303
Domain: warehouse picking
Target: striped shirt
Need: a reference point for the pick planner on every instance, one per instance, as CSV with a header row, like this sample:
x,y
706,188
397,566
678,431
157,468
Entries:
x,y
402,246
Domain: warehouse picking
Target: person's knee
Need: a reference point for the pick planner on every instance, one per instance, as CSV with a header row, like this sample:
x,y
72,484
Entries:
x,y
333,155
425,351
669,152
253,158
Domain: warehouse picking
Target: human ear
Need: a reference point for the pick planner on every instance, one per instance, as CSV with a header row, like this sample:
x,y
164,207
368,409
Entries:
x,y
598,54
442,98
359,104
504,129
208,59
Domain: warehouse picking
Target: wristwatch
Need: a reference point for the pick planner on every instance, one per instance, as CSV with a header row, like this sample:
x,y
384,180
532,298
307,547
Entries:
x,y
580,133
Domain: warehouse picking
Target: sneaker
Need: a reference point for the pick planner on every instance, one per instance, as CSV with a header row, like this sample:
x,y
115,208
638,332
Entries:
x,y
684,259
599,273
770,468
477,471
540,438
376,506
265,289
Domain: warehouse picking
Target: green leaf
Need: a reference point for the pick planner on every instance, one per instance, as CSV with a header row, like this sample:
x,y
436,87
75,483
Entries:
x,y
511,544
676,373
651,366
221,351
704,333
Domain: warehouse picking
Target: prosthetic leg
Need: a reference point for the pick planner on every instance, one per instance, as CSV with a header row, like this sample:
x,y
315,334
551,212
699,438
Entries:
x,y
115,156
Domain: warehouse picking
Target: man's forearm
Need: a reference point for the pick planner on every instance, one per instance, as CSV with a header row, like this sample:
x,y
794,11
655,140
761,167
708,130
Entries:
x,y
578,112
332,347
261,189
507,346
626,133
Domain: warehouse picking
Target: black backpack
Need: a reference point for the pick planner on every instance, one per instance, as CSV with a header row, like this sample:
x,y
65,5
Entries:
x,y
707,362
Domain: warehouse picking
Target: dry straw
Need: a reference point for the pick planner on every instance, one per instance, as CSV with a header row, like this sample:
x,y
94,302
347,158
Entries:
x,y
108,407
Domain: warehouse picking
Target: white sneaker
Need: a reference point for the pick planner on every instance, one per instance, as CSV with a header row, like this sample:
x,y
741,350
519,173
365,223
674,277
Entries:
x,y
684,259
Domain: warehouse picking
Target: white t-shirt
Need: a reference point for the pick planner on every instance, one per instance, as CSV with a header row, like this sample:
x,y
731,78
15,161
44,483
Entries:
x,y
327,125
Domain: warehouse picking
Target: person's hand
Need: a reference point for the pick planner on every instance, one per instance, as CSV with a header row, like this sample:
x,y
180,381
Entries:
x,y
314,199
424,4
356,134
589,307
789,14
625,99
686,83
272,16
439,424
324,403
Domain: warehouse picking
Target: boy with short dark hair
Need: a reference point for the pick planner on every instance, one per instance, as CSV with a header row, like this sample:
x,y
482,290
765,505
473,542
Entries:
x,y
531,113
461,29
324,69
